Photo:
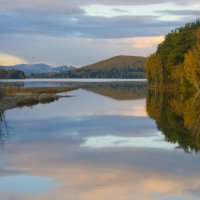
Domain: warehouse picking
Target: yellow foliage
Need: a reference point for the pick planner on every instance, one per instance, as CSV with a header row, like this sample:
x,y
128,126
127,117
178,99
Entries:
x,y
154,71
192,63
192,115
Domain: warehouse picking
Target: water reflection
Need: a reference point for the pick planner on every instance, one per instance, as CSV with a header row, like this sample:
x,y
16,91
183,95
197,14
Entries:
x,y
4,133
109,141
178,117
94,147
26,184
120,91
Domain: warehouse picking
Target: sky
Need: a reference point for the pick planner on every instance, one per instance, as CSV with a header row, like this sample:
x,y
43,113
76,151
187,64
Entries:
x,y
81,32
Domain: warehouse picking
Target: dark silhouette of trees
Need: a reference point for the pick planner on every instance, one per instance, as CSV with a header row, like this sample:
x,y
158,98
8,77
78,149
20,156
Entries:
x,y
11,74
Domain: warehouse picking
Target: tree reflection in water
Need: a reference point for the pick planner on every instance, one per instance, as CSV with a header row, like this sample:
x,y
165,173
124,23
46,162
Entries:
x,y
177,116
3,124
4,133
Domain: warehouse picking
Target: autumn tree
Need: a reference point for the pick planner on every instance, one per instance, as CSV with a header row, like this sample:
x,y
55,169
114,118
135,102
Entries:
x,y
177,59
192,64
154,70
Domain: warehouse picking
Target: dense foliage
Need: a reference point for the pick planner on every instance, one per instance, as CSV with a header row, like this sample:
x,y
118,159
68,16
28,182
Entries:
x,y
116,67
178,118
177,60
11,74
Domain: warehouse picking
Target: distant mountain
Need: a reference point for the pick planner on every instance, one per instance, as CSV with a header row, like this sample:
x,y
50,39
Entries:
x,y
29,69
116,67
63,68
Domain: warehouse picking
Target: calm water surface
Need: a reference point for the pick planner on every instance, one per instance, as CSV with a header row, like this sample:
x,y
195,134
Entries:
x,y
98,144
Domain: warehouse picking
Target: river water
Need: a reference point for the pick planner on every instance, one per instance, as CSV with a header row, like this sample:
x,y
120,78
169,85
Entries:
x,y
98,144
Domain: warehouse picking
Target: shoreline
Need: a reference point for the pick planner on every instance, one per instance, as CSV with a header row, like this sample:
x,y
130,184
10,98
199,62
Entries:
x,y
84,80
20,97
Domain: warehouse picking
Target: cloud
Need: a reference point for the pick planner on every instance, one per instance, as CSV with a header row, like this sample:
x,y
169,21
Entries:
x,y
67,22
146,42
134,111
101,174
45,48
84,26
68,19
110,141
72,50
139,42
181,12
138,2
45,6
49,150
139,111
6,60
73,7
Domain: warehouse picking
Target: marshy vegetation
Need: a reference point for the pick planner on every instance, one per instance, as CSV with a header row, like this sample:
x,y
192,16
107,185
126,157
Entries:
x,y
12,96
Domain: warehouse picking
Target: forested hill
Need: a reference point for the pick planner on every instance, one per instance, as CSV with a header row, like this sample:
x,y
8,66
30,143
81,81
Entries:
x,y
176,62
11,74
116,67
118,63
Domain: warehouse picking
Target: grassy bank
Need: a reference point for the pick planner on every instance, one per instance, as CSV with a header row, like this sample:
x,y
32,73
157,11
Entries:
x,y
12,97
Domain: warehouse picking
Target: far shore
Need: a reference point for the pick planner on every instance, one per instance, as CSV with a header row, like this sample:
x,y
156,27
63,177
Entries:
x,y
72,80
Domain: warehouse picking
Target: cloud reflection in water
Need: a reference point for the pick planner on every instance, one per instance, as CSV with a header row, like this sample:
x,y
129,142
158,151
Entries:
x,y
48,142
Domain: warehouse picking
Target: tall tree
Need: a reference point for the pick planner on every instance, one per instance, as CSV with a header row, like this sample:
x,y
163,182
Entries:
x,y
192,64
154,69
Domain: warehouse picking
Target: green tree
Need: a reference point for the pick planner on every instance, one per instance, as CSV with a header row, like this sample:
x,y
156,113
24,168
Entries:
x,y
176,56
154,69
192,64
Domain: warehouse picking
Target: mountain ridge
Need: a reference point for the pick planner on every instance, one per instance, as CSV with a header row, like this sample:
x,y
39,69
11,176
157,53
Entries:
x,y
120,66
29,69
115,67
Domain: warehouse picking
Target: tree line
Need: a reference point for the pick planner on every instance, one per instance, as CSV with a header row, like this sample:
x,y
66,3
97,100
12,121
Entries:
x,y
176,63
11,74
116,67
